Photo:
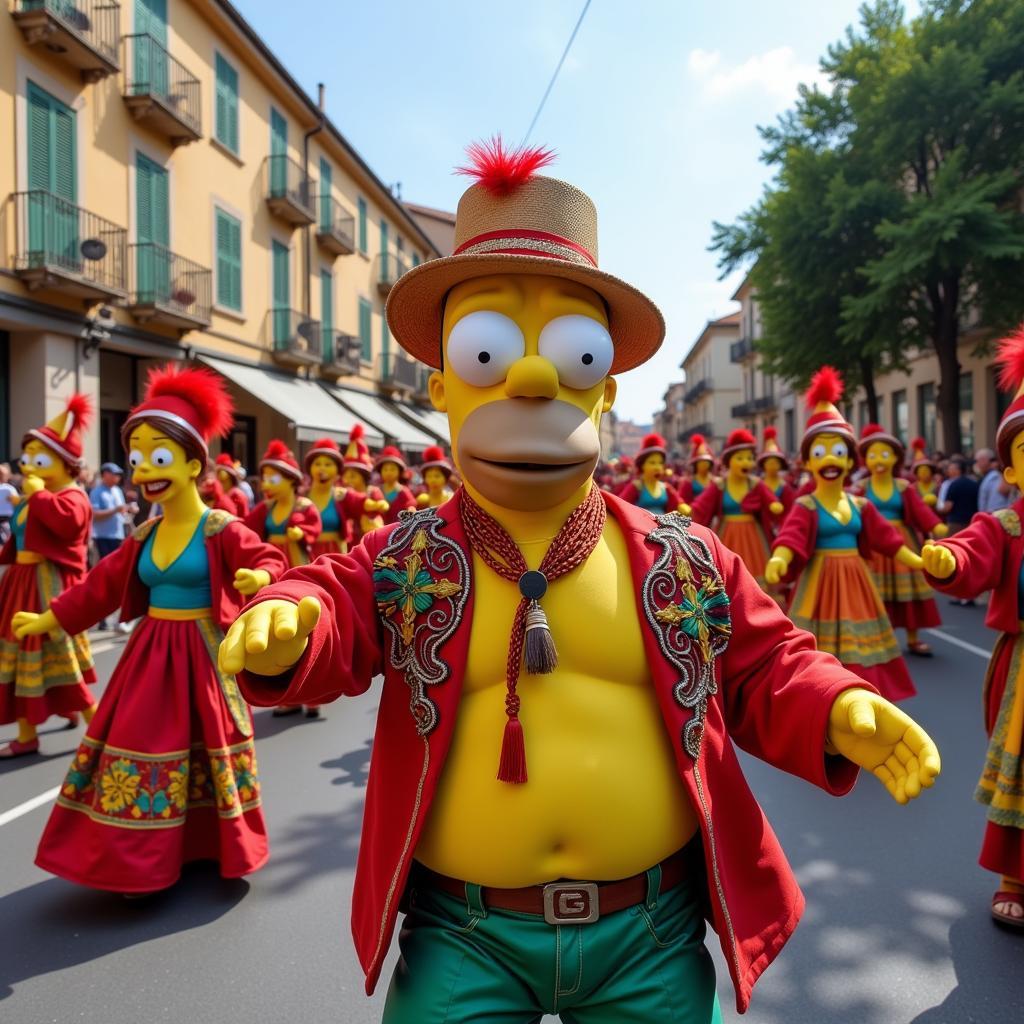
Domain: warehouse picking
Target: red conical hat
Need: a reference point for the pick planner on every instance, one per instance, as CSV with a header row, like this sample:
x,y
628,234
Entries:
x,y
771,449
390,454
228,464
699,450
193,398
325,446
825,390
1010,360
736,442
279,456
434,458
872,432
357,454
920,456
652,444
63,434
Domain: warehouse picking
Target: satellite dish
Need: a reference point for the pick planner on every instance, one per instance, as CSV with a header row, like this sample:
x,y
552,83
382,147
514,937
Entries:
x,y
94,249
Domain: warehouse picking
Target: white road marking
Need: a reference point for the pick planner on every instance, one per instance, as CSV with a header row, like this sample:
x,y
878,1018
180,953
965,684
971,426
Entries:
x,y
957,642
29,805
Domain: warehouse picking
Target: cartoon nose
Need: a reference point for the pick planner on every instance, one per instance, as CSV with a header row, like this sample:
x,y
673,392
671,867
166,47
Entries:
x,y
532,377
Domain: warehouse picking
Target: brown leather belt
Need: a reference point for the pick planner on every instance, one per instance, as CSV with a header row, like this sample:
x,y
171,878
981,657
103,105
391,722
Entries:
x,y
570,901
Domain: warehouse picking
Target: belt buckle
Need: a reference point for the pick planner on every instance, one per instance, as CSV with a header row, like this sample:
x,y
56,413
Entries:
x,y
571,903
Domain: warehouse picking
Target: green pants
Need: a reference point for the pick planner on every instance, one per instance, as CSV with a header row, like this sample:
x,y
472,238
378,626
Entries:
x,y
466,964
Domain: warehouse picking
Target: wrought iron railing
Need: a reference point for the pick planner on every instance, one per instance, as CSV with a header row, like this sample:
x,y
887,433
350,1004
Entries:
x,y
739,350
164,279
54,234
396,370
389,267
293,333
699,388
152,71
343,351
334,220
285,180
96,22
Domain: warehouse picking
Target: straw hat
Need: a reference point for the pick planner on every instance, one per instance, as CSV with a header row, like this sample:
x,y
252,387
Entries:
x,y
514,221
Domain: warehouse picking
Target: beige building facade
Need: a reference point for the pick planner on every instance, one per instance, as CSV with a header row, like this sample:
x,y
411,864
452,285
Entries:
x,y
713,382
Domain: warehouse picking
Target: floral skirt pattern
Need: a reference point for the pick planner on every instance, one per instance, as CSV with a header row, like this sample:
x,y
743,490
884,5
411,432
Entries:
x,y
40,676
165,774
908,599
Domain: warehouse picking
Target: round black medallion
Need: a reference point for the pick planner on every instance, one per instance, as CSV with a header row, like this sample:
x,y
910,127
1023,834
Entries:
x,y
533,584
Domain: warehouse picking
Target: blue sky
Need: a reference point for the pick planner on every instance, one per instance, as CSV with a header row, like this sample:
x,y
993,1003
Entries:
x,y
654,115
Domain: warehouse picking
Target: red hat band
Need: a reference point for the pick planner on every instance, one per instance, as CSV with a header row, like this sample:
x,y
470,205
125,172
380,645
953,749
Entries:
x,y
174,409
53,441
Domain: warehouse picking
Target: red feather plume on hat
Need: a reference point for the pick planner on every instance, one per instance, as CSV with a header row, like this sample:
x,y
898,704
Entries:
x,y
740,436
500,170
79,413
433,454
770,433
357,433
871,428
204,390
1010,360
278,451
696,440
653,441
919,444
826,386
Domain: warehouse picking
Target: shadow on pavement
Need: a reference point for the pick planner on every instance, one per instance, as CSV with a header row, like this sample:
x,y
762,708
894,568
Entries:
x,y
315,845
355,765
54,924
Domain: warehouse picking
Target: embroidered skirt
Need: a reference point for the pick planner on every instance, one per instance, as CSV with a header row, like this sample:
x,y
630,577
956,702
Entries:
x,y
836,600
908,598
165,774
39,676
1001,786
743,535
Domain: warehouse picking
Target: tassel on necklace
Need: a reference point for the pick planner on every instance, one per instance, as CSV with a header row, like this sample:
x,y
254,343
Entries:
x,y
539,653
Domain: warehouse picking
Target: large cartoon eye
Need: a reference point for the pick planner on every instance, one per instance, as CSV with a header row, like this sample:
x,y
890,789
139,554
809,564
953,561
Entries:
x,y
839,450
818,451
482,347
273,479
162,457
42,461
135,458
580,348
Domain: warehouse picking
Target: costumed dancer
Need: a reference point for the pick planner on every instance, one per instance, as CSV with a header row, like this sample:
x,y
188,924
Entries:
x,y
436,471
167,771
825,541
223,490
773,464
46,553
740,506
701,463
922,469
650,490
619,814
324,465
989,555
392,468
908,598
364,503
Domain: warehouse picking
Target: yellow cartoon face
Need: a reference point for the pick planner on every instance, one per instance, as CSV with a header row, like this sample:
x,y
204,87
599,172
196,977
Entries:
x,y
525,382
829,457
353,478
225,479
880,458
435,479
274,484
389,474
742,462
1014,473
159,464
924,474
772,466
43,462
323,469
654,466
702,467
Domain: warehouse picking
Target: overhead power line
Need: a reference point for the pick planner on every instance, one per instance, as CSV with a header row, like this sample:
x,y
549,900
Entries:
x,y
554,77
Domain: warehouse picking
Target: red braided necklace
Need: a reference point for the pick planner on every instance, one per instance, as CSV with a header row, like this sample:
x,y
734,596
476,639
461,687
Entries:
x,y
530,643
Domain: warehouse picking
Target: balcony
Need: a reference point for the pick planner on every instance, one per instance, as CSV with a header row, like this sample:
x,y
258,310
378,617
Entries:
x,y
741,350
701,387
753,406
62,248
167,288
388,267
82,34
397,373
288,190
161,93
294,338
336,227
701,428
342,356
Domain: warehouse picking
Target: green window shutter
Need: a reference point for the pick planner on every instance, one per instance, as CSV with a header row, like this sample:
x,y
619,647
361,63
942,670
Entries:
x,y
151,19
415,259
384,257
38,138
229,261
325,194
362,225
64,152
281,293
327,304
152,202
226,129
385,345
365,326
278,153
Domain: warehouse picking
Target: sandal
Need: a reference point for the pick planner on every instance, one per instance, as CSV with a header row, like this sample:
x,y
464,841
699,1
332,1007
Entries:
x,y
920,648
313,711
284,711
1004,917
18,749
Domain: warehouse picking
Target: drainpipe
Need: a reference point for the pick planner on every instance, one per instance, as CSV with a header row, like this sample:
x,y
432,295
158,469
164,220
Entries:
x,y
308,238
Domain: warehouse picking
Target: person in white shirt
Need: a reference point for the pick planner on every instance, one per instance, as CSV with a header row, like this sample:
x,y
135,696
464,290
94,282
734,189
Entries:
x,y
8,499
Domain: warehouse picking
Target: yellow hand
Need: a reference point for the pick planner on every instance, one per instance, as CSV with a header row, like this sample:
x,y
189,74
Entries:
x,y
684,508
909,558
30,624
268,638
370,507
422,500
930,499
775,508
30,484
295,533
938,561
869,731
251,581
941,530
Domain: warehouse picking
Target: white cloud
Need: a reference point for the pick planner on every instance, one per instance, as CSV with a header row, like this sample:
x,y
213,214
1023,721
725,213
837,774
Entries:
x,y
775,73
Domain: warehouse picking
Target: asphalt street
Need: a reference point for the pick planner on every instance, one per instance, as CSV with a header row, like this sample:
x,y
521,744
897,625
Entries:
x,y
897,928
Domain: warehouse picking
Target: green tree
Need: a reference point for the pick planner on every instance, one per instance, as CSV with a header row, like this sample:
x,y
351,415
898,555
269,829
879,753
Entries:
x,y
919,145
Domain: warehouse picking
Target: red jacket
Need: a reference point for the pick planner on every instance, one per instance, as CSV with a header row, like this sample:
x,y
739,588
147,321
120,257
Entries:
x,y
234,501
988,554
708,505
403,498
799,532
785,497
686,492
305,516
57,528
355,508
114,582
631,493
916,514
772,696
